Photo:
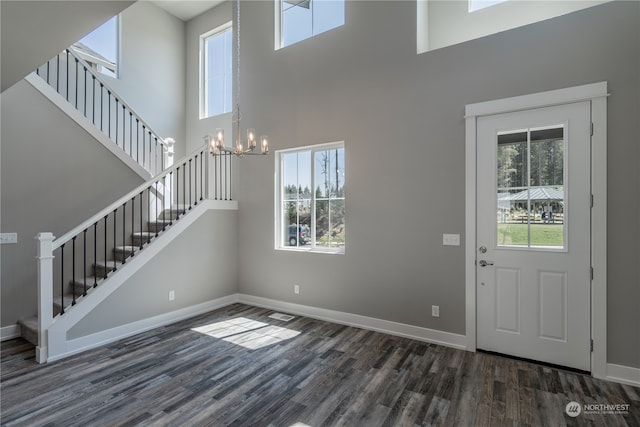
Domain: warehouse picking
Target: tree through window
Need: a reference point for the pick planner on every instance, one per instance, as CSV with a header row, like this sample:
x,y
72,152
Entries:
x,y
311,205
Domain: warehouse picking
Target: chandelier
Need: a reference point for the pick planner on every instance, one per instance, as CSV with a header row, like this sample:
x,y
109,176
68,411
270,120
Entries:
x,y
216,143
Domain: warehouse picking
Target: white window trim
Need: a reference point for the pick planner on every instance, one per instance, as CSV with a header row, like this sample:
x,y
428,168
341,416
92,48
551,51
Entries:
x,y
202,67
278,221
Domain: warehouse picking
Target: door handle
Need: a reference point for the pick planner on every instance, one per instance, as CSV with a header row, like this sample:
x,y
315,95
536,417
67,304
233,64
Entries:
x,y
484,263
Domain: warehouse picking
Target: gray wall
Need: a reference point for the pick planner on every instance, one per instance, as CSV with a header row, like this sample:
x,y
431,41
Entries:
x,y
35,31
54,175
152,69
199,265
401,117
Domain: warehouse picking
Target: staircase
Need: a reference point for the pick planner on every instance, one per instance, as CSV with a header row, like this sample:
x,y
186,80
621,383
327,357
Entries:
x,y
73,268
78,288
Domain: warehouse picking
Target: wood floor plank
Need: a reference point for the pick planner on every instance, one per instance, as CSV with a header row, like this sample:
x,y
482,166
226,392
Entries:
x,y
320,374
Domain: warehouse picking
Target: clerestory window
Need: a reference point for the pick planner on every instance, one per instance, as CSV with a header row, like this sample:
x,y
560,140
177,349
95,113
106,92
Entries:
x,y
99,48
310,198
216,71
297,20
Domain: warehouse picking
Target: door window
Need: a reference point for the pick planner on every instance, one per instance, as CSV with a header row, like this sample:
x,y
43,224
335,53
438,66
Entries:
x,y
531,184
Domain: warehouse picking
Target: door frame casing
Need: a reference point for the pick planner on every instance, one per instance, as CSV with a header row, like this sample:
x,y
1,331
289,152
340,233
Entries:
x,y
597,94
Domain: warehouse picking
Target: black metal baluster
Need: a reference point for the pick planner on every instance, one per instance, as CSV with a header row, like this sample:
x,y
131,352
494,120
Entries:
x,y
155,213
76,83
177,192
143,150
124,232
133,227
116,114
58,73
48,67
137,140
131,134
73,270
195,179
115,226
109,113
95,253
151,154
164,187
229,177
85,90
226,161
141,228
171,201
84,263
155,148
62,279
124,128
101,105
184,188
216,162
201,173
105,246
93,99
149,210
190,189
67,51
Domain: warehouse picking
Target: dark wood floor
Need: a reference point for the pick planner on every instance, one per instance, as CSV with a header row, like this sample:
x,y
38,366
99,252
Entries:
x,y
325,375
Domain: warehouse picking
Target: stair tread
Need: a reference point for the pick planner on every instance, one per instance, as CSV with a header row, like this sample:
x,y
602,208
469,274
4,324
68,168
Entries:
x,y
29,322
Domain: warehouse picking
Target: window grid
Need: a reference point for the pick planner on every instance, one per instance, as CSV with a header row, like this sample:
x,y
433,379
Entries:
x,y
318,215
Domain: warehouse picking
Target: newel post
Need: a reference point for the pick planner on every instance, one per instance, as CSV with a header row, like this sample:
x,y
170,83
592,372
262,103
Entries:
x,y
169,152
45,292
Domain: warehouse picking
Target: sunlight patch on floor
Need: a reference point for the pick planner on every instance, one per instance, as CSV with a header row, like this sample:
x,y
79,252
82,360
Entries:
x,y
247,333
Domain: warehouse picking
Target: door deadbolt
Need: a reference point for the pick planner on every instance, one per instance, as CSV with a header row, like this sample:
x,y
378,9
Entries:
x,y
482,249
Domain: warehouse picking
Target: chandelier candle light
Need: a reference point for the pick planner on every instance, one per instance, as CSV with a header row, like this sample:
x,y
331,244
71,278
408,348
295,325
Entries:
x,y
216,143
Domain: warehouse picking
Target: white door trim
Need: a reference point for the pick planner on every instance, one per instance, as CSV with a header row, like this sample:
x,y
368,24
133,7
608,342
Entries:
x,y
597,94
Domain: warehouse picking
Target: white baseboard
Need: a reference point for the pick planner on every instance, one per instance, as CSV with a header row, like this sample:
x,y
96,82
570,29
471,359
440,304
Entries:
x,y
379,325
78,345
9,332
623,374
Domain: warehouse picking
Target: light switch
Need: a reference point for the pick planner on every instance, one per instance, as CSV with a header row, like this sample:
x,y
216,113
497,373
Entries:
x,y
451,239
8,238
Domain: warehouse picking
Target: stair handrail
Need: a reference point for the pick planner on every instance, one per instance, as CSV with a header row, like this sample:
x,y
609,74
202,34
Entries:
x,y
94,75
101,214
109,88
190,178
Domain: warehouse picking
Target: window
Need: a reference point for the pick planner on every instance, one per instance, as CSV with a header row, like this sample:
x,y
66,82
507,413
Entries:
x,y
445,23
216,71
99,48
310,205
302,19
481,4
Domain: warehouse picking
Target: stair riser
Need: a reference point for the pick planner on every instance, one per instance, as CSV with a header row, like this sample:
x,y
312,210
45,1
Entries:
x,y
100,270
157,227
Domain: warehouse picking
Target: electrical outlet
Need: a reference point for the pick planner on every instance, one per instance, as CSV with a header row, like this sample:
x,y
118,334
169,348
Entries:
x,y
435,310
172,295
296,289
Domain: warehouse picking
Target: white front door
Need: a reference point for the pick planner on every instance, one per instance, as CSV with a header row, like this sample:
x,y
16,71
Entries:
x,y
533,273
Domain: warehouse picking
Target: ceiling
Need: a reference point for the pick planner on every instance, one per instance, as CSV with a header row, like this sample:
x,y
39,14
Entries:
x,y
187,9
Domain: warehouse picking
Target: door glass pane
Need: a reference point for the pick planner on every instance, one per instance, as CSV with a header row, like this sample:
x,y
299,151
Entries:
x,y
530,188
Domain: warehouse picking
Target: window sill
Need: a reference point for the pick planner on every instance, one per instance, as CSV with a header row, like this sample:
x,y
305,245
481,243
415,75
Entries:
x,y
327,251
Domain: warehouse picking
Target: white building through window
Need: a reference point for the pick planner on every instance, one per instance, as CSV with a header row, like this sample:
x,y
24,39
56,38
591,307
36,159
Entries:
x,y
297,20
310,201
100,47
216,71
